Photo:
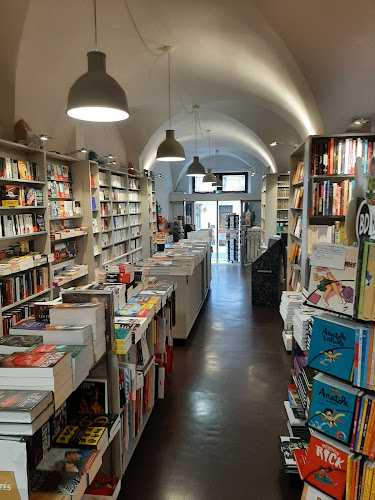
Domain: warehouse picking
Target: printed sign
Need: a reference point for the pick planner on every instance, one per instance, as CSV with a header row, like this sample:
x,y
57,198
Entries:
x,y
365,224
8,486
328,256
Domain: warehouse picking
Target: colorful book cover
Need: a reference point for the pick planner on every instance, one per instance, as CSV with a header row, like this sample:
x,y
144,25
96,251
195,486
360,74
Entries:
x,y
31,360
21,340
333,289
90,398
103,486
326,465
332,346
21,401
360,422
68,460
332,407
55,484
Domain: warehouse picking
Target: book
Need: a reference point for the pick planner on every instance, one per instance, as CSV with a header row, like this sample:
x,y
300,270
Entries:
x,y
34,364
90,398
26,428
75,460
332,345
56,485
103,488
333,289
326,465
19,343
311,493
23,406
287,446
10,195
332,407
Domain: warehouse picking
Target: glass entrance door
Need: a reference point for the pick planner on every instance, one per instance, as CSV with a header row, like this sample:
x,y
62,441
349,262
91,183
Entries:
x,y
213,215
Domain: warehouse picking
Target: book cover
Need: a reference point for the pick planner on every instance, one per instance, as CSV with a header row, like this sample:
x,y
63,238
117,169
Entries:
x,y
333,289
68,460
55,485
73,436
90,398
332,407
25,341
326,465
332,346
10,195
31,360
287,446
22,401
311,493
103,486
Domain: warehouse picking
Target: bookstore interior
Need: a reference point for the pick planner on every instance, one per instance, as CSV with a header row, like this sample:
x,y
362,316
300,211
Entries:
x,y
109,228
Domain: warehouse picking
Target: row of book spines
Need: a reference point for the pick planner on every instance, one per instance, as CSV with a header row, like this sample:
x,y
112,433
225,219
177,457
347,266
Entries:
x,y
18,170
58,172
23,286
363,433
295,279
20,196
364,304
364,358
298,197
297,229
20,224
336,234
338,156
295,253
359,478
10,318
298,174
331,198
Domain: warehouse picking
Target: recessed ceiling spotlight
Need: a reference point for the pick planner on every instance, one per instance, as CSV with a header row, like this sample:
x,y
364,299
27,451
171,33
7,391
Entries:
x,y
275,143
361,121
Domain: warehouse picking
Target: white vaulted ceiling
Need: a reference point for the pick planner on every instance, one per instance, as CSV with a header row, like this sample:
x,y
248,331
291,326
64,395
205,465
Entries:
x,y
260,70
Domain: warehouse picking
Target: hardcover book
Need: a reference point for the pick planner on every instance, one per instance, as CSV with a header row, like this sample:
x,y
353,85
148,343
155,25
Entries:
x,y
46,485
91,398
332,407
326,465
70,460
332,346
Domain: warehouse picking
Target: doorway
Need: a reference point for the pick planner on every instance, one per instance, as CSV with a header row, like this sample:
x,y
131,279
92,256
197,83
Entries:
x,y
213,215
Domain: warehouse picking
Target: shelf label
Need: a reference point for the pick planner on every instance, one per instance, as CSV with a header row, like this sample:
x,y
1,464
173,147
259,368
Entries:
x,y
325,255
365,223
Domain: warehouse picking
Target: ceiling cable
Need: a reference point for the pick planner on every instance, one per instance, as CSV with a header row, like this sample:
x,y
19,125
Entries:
x,y
169,88
96,33
139,34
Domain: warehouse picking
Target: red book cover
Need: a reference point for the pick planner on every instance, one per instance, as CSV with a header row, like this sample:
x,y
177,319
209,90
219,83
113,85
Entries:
x,y
103,486
314,156
31,360
325,466
357,407
300,456
331,154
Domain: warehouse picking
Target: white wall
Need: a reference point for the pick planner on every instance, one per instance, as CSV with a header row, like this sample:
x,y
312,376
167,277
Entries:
x,y
163,186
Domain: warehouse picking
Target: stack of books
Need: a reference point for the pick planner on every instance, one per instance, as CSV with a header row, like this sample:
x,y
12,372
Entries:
x,y
301,321
290,301
39,371
287,446
103,488
23,412
83,314
295,424
19,343
74,335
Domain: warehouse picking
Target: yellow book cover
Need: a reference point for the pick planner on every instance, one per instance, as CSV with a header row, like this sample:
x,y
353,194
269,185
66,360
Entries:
x,y
372,486
370,428
349,468
22,170
369,293
362,423
369,480
371,345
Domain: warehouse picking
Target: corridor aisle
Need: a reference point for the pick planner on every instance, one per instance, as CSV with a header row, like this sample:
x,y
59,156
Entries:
x,y
215,436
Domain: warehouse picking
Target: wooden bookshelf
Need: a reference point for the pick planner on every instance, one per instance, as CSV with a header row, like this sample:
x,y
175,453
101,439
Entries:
x,y
283,193
269,206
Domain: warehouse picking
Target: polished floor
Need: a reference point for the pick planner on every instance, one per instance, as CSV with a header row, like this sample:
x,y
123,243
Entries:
x,y
215,434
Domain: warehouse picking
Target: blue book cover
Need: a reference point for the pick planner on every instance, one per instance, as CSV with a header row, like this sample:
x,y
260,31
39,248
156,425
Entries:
x,y
332,407
365,356
332,346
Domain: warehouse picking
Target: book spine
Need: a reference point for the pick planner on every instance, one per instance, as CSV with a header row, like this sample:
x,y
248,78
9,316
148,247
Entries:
x,y
359,426
370,289
369,356
362,281
365,425
355,421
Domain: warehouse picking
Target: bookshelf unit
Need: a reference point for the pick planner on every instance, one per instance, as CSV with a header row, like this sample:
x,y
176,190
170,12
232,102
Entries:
x,y
305,154
148,217
269,206
282,203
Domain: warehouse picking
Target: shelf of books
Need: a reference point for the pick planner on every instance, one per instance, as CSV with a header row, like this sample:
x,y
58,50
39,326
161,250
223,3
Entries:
x,y
78,383
330,407
282,203
148,217
269,205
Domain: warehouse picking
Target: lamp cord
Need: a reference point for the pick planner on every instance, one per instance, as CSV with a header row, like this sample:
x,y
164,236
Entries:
x,y
196,133
95,24
139,34
169,89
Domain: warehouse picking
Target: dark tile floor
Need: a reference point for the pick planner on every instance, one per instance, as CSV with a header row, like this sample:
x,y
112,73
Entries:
x,y
215,434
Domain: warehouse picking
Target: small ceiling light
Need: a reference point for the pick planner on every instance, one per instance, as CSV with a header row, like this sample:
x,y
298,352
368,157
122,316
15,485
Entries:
x,y
196,169
96,96
44,137
360,121
218,184
110,157
275,143
82,150
170,149
209,177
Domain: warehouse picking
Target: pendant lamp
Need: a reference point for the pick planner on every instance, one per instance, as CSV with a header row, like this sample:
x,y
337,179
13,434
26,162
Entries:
x,y
196,169
170,149
96,96
218,183
209,177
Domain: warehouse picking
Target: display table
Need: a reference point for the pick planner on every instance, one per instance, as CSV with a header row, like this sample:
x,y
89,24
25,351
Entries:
x,y
192,284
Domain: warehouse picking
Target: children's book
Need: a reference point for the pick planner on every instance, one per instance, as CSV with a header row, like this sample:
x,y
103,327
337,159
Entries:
x,y
326,465
332,345
332,407
333,289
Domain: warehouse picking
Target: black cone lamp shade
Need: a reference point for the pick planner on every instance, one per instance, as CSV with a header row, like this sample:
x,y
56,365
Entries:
x,y
170,149
209,177
196,169
96,96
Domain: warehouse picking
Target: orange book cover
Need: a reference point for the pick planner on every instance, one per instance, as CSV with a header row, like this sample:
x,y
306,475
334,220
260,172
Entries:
x,y
370,355
326,465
